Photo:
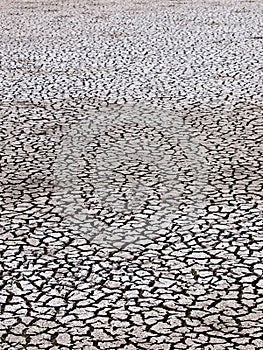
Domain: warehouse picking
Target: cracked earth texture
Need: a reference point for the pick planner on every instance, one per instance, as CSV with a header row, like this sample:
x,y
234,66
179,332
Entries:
x,y
131,175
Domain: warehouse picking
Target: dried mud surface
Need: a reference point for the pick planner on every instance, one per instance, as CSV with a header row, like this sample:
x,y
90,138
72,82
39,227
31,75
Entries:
x,y
131,175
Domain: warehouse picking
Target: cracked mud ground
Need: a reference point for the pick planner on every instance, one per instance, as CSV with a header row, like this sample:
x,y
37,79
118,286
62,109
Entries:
x,y
131,175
